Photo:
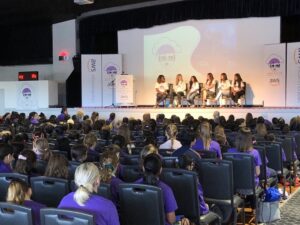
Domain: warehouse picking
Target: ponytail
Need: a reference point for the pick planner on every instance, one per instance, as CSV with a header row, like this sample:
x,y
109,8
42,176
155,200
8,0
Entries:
x,y
152,168
85,177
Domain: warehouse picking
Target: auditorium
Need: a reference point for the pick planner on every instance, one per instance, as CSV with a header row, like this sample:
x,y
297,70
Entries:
x,y
149,112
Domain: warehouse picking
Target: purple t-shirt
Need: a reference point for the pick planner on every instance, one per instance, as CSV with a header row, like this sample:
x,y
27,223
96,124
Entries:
x,y
170,204
104,211
5,168
257,160
36,207
114,190
202,206
214,146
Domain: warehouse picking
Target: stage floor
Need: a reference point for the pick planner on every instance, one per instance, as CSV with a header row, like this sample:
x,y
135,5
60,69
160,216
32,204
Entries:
x,y
137,112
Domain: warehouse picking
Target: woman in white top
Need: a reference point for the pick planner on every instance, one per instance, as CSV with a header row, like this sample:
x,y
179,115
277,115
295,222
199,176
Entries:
x,y
238,88
193,90
161,88
171,143
224,86
179,88
209,88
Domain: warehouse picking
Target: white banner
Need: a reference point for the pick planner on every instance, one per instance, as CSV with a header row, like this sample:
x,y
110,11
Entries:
x,y
273,79
91,80
111,66
27,95
124,90
293,74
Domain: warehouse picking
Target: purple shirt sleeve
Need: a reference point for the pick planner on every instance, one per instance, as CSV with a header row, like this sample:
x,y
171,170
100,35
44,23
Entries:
x,y
35,207
170,203
202,206
5,168
215,146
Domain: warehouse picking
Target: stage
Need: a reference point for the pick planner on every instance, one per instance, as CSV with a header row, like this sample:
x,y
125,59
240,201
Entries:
x,y
137,112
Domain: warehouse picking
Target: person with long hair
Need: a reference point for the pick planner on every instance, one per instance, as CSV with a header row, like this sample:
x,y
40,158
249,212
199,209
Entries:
x,y
26,163
41,149
125,132
57,167
204,140
193,90
244,144
172,143
152,167
161,88
187,162
209,88
223,87
6,158
109,164
90,141
20,193
179,88
87,180
238,88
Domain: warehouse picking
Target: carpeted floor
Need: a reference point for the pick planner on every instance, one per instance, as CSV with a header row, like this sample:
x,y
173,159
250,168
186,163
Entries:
x,y
290,214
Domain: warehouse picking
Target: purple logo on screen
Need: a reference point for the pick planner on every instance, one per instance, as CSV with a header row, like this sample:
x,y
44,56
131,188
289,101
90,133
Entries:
x,y
91,65
274,64
297,56
166,54
26,92
123,83
111,70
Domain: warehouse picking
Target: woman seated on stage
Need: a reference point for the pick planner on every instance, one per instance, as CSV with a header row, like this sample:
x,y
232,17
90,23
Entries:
x,y
223,87
179,88
209,88
193,90
238,88
161,88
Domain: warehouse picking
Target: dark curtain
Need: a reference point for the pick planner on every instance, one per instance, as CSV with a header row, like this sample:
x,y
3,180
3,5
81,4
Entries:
x,y
290,29
90,29
27,44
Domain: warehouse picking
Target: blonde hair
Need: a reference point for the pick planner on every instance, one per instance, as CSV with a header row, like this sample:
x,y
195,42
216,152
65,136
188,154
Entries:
x,y
261,129
85,177
171,132
205,134
42,147
90,140
109,163
148,149
17,191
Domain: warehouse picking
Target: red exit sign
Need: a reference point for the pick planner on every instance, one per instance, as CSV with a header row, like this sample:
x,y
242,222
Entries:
x,y
28,75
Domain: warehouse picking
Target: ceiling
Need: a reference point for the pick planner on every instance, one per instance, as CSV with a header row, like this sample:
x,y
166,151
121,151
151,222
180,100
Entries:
x,y
19,12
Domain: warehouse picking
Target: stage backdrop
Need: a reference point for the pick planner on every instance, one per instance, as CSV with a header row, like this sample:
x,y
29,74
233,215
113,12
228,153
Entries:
x,y
273,79
197,47
98,79
293,74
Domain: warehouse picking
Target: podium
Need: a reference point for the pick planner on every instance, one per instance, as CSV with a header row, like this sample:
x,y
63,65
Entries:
x,y
124,90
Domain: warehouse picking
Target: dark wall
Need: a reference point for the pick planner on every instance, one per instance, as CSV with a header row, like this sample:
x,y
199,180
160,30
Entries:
x,y
290,29
27,44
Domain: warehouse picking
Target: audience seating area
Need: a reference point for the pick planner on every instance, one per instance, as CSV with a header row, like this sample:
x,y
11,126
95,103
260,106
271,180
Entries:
x,y
226,182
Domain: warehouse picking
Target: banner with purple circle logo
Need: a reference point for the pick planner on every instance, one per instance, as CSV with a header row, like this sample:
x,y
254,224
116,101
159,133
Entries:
x,y
125,90
27,98
273,80
293,75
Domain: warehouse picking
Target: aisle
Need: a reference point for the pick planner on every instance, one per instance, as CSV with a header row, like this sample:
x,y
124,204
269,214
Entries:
x,y
290,211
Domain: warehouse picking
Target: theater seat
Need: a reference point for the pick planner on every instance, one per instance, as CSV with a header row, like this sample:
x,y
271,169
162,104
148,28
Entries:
x,y
11,214
51,216
141,205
